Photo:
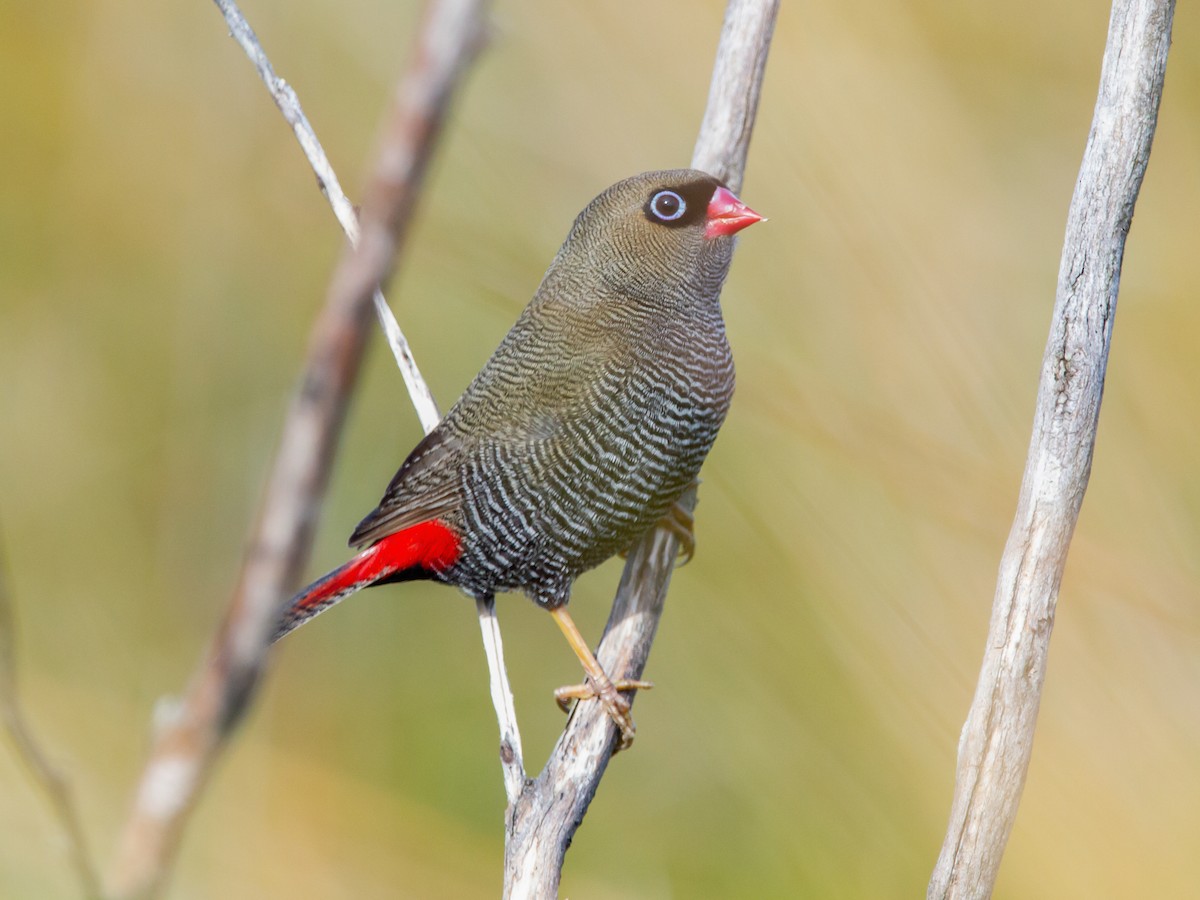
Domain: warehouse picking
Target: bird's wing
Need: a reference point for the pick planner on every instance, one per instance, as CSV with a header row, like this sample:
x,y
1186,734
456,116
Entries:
x,y
425,488
527,393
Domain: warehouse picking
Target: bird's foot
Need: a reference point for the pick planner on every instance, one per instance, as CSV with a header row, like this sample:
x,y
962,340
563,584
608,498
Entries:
x,y
608,693
597,683
681,523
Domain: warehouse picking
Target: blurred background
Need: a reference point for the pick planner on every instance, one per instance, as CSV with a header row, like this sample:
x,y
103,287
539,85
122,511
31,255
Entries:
x,y
163,249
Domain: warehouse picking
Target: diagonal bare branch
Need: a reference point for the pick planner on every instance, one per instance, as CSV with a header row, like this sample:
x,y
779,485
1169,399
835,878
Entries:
x,y
289,106
997,740
189,738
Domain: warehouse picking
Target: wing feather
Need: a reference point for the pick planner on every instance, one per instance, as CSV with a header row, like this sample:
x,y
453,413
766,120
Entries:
x,y
426,487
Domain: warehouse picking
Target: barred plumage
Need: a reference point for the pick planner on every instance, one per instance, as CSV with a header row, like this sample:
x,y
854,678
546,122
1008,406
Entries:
x,y
595,412
589,420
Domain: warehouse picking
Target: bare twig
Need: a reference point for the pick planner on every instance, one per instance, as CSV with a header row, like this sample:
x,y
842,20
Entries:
x,y
543,819
45,775
724,139
997,739
190,736
512,762
289,105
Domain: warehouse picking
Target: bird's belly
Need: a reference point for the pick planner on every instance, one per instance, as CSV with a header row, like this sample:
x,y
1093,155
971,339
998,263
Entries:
x,y
565,503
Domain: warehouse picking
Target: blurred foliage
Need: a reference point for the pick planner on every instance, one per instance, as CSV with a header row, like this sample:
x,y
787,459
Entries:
x,y
163,249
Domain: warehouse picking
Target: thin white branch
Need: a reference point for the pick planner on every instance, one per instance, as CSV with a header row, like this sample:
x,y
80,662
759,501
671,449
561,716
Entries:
x,y
289,105
997,740
512,761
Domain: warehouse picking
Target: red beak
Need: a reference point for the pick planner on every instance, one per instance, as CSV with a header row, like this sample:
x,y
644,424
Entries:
x,y
728,215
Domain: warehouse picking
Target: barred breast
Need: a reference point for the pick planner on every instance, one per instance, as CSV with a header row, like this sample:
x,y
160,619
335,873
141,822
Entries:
x,y
633,417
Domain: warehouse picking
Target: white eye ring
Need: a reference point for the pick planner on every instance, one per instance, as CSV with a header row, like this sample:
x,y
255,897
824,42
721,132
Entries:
x,y
667,206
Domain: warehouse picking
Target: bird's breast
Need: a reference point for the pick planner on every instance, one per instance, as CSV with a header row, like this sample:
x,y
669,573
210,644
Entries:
x,y
593,456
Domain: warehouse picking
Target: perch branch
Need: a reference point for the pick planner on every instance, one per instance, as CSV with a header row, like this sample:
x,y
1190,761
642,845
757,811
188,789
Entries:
x,y
996,742
44,773
193,730
724,139
543,819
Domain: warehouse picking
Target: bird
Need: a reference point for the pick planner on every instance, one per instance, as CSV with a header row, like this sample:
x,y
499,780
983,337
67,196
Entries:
x,y
583,428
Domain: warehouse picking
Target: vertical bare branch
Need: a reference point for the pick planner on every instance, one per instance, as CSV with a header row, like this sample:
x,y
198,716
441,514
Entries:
x,y
45,775
188,740
724,139
997,739
543,819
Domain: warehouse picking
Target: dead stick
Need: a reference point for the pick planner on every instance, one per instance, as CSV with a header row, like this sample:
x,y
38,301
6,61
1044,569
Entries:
x,y
997,740
190,736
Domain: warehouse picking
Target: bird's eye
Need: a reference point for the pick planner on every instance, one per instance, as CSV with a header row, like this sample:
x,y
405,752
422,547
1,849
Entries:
x,y
667,206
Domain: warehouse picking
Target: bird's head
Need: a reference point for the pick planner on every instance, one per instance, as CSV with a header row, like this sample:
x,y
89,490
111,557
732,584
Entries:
x,y
660,236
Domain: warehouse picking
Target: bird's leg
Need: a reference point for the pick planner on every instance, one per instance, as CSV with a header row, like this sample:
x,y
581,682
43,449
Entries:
x,y
598,684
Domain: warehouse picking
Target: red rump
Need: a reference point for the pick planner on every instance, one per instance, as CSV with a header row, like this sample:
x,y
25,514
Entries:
x,y
429,545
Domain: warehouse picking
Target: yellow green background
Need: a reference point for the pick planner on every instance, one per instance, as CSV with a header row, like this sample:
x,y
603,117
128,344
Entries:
x,y
163,248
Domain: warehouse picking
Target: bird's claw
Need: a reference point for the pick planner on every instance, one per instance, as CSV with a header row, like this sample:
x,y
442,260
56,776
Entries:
x,y
608,694
681,523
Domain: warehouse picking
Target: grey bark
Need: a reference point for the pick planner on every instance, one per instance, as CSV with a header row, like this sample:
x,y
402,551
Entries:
x,y
997,739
